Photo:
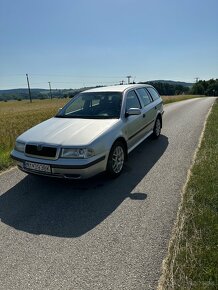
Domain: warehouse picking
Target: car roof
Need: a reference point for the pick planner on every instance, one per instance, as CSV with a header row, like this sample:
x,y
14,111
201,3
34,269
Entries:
x,y
118,88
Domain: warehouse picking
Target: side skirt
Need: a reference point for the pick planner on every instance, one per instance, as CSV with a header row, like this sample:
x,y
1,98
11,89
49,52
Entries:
x,y
140,141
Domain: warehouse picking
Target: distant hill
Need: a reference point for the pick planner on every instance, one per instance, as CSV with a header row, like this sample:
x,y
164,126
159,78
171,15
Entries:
x,y
12,91
23,93
184,84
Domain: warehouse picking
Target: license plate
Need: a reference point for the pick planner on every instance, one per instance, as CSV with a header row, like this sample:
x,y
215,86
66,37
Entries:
x,y
37,166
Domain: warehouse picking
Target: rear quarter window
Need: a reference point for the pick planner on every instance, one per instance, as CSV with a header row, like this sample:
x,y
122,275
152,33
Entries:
x,y
153,93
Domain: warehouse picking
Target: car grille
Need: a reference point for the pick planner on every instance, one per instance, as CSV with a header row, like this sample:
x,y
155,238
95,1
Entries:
x,y
42,151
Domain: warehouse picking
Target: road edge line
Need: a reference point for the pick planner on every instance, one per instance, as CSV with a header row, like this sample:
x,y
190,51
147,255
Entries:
x,y
8,170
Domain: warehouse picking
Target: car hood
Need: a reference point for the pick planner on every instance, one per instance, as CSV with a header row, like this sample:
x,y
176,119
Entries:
x,y
67,132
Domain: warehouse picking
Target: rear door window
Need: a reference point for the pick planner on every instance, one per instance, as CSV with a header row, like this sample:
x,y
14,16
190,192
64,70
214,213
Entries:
x,y
144,96
153,93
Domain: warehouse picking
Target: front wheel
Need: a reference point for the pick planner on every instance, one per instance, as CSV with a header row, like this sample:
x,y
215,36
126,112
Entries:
x,y
116,160
157,128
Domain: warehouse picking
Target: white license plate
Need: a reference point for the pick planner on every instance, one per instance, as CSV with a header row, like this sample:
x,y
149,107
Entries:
x,y
37,166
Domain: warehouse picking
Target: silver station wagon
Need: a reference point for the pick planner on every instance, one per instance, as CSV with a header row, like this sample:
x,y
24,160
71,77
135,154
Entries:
x,y
92,133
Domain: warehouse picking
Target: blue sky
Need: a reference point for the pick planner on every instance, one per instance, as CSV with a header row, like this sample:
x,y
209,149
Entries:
x,y
90,42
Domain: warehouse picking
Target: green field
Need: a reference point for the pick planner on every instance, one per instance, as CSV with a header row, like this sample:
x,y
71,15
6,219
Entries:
x,y
16,117
192,261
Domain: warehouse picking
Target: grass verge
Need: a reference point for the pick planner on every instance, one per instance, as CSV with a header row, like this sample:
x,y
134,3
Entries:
x,y
172,99
192,261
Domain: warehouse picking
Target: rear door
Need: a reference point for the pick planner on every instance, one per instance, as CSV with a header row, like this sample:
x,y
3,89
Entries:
x,y
148,111
157,101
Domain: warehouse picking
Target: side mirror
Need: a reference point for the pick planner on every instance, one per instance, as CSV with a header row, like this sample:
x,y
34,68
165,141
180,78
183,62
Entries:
x,y
133,112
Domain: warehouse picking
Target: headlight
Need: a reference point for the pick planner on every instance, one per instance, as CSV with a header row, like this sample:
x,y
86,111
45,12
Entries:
x,y
77,153
19,146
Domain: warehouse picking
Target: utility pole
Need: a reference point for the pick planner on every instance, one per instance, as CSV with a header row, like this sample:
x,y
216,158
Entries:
x,y
28,84
128,78
50,89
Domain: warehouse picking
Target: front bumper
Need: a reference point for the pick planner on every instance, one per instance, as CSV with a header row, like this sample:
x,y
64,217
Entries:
x,y
64,168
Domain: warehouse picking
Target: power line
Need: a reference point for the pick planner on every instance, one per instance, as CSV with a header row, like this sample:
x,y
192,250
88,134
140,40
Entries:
x,y
76,76
93,80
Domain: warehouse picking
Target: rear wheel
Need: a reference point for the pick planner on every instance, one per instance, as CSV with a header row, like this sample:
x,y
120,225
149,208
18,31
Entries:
x,y
116,159
157,128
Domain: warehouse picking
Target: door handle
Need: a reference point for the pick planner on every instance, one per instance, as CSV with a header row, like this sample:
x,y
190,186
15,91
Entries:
x,y
143,115
155,107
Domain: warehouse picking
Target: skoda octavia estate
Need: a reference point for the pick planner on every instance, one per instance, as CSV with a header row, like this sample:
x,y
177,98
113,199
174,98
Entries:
x,y
92,133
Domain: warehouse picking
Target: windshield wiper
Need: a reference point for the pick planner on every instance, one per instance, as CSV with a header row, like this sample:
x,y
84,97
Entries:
x,y
59,116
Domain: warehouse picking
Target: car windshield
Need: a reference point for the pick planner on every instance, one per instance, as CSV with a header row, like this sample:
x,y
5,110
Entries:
x,y
95,105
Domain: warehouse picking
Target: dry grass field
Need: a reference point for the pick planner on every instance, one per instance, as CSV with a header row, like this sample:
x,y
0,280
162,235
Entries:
x,y
171,99
18,116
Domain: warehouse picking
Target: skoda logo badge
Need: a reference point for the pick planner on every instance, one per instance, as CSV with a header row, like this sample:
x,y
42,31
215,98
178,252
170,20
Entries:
x,y
39,147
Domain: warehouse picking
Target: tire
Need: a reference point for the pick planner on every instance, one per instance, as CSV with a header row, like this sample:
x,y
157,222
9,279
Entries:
x,y
157,128
116,159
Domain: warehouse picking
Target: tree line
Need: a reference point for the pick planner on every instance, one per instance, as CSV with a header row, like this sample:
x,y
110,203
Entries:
x,y
202,87
208,88
166,89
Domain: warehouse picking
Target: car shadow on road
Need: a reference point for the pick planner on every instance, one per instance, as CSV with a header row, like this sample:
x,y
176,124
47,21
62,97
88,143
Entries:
x,y
71,209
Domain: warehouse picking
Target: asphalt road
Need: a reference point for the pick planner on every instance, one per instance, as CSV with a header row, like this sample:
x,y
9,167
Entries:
x,y
99,234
